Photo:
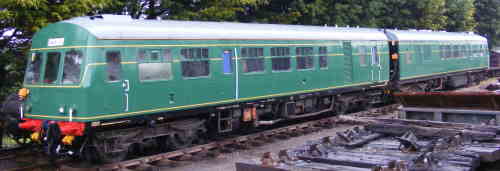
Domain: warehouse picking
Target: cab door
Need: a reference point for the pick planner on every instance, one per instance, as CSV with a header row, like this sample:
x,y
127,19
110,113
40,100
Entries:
x,y
116,86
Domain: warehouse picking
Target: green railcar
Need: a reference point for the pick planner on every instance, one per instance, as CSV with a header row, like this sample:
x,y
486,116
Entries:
x,y
124,75
426,54
102,84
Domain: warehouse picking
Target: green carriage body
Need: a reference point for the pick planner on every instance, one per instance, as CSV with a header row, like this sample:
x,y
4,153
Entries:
x,y
426,53
350,62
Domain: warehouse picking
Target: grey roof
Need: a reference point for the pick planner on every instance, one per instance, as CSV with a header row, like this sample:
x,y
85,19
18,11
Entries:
x,y
425,35
123,27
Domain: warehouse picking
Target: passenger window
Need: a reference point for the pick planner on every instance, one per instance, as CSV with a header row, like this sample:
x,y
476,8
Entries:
x,y
456,51
468,51
409,59
418,51
52,67
253,60
448,52
304,58
281,58
195,62
154,66
114,66
33,69
441,52
227,56
72,67
363,55
323,57
427,52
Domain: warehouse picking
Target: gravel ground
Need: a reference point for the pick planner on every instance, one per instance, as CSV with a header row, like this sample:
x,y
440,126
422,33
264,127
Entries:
x,y
226,162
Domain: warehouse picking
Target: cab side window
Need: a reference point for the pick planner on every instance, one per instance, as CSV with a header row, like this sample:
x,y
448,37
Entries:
x,y
114,67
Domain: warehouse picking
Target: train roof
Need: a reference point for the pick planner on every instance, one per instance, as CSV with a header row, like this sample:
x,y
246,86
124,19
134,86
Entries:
x,y
124,27
426,35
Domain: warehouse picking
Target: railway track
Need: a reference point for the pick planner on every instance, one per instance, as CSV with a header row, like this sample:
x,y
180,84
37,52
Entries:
x,y
214,149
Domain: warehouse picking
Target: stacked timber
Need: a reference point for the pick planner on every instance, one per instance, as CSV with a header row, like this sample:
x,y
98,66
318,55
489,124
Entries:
x,y
397,145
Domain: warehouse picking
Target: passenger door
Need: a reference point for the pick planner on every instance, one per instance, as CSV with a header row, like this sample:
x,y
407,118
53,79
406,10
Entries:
x,y
376,66
229,74
348,68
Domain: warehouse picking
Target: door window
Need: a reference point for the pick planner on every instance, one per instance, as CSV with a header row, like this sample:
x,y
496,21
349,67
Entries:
x,y
114,67
227,56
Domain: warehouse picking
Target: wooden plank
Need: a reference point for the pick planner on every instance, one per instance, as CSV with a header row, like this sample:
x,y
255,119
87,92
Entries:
x,y
428,132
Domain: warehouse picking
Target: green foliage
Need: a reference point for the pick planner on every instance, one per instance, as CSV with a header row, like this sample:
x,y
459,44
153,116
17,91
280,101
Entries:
x,y
488,18
23,18
460,15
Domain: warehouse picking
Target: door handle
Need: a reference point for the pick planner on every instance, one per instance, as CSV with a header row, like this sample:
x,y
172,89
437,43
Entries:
x,y
126,86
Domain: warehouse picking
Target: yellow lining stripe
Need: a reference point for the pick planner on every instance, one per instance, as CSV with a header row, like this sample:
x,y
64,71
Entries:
x,y
185,45
193,105
423,75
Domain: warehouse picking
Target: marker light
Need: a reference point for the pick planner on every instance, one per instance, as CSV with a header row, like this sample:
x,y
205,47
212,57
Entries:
x,y
61,110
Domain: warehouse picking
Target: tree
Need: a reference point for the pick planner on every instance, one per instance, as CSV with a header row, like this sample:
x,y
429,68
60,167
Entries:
x,y
488,18
19,20
460,15
204,10
413,14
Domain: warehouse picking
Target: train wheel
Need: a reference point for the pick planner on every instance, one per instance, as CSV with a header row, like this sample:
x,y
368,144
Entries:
x,y
341,107
110,151
181,139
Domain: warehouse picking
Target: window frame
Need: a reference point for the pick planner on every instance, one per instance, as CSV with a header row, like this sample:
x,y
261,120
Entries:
x,y
232,61
310,55
41,65
57,80
245,55
323,53
163,58
204,56
82,66
280,53
374,52
106,52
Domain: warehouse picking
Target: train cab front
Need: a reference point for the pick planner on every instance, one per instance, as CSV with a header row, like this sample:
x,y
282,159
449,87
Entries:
x,y
53,98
